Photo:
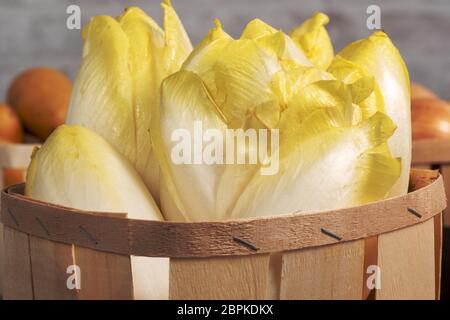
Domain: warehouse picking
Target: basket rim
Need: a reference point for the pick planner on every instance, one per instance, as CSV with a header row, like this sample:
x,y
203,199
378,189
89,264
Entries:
x,y
115,233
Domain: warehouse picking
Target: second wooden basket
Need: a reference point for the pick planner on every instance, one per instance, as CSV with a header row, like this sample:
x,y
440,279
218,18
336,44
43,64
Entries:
x,y
435,153
317,255
14,160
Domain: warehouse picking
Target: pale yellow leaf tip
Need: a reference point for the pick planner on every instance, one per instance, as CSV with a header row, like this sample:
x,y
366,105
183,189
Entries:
x,y
256,29
85,31
167,3
33,153
217,23
320,19
312,37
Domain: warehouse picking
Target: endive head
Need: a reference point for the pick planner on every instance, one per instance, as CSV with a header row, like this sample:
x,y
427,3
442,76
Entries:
x,y
377,57
330,153
77,168
116,93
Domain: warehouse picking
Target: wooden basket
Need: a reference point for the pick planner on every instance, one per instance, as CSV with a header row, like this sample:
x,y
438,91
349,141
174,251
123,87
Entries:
x,y
14,160
316,255
435,153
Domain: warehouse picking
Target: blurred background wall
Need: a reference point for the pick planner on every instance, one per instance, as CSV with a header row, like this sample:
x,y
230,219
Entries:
x,y
34,33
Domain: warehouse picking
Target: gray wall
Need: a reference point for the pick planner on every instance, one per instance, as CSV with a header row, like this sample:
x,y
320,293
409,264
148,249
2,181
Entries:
x,y
33,32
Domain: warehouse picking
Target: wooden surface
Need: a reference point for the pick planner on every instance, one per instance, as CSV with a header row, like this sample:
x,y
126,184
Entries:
x,y
204,239
18,283
407,262
431,151
220,278
329,272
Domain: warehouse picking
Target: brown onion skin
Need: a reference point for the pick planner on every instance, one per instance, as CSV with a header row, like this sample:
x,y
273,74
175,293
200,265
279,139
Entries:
x,y
13,176
419,91
10,127
41,98
430,119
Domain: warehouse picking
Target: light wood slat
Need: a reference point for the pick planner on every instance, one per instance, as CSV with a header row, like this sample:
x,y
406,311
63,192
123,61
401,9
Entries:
x,y
245,277
370,259
17,273
103,275
150,278
407,263
275,265
330,272
438,234
49,262
422,166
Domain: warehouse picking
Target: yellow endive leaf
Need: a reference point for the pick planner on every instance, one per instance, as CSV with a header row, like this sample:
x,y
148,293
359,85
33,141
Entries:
x,y
365,90
323,94
256,29
102,97
274,41
371,187
190,192
146,40
362,89
288,82
324,164
178,46
379,58
346,70
204,56
284,48
268,113
313,39
243,73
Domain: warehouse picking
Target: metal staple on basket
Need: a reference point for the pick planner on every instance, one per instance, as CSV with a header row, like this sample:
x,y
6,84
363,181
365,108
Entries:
x,y
330,234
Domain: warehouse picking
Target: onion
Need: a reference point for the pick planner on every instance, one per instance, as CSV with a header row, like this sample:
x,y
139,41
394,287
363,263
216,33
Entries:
x,y
418,91
10,126
430,119
13,176
41,98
